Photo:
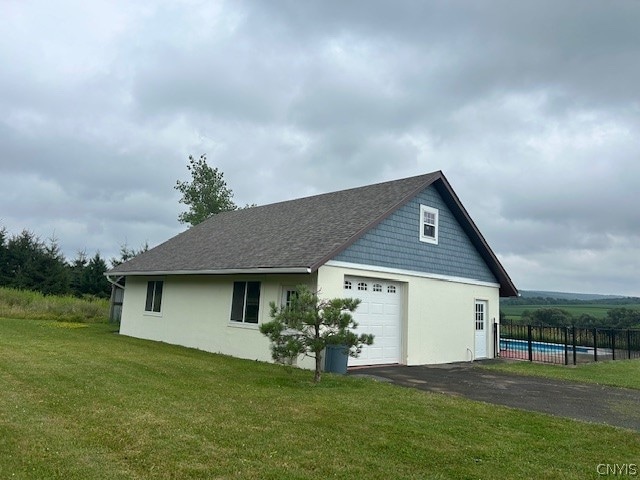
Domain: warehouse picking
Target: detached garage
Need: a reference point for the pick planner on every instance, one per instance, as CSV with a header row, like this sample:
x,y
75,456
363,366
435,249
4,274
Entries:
x,y
428,281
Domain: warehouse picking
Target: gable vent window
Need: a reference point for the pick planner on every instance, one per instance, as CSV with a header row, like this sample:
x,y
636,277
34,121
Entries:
x,y
362,286
154,296
347,285
428,224
245,302
391,289
377,287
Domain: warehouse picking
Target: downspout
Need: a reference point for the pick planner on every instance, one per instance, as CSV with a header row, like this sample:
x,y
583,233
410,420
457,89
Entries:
x,y
114,285
114,282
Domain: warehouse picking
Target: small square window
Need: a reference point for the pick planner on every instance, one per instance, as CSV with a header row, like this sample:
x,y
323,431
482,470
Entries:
x,y
428,224
362,286
347,285
391,289
377,287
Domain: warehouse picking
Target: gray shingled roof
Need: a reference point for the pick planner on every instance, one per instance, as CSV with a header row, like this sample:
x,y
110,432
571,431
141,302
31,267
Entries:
x,y
294,236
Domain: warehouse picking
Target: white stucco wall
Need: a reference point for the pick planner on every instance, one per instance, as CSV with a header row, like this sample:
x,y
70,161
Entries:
x,y
438,316
196,310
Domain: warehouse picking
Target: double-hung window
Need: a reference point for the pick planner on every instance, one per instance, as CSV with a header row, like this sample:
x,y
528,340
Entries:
x,y
154,296
428,224
245,302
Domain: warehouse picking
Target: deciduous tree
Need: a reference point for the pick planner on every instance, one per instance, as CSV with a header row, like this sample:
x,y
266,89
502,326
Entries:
x,y
206,194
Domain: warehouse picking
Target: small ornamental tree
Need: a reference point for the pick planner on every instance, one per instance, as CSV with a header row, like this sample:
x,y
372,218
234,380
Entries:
x,y
307,325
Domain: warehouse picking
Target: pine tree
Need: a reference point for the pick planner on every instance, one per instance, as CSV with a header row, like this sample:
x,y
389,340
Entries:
x,y
307,325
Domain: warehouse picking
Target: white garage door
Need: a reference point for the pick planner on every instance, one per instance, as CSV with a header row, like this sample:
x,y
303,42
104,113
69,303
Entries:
x,y
378,314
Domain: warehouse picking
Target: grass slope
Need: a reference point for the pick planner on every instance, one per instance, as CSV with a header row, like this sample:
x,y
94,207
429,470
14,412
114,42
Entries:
x,y
79,401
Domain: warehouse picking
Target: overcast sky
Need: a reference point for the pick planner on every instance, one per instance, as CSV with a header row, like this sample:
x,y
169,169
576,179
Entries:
x,y
530,108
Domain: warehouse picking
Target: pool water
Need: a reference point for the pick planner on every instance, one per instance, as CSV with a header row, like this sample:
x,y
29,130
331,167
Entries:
x,y
538,347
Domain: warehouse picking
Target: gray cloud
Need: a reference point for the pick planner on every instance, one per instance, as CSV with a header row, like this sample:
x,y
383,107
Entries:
x,y
530,108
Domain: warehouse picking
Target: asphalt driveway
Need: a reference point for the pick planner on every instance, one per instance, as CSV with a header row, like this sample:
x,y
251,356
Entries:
x,y
581,401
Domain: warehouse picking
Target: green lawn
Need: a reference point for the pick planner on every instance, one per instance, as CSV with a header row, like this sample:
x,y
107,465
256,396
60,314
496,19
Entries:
x,y
78,401
514,312
619,373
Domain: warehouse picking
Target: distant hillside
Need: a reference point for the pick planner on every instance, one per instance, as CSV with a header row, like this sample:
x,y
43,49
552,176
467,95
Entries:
x,y
543,298
566,295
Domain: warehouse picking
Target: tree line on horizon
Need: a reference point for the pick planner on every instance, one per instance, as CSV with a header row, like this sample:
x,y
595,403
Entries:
x,y
619,317
29,263
568,301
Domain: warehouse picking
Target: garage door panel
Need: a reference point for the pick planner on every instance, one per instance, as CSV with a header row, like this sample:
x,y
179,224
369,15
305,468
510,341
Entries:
x,y
390,354
376,331
376,308
391,309
378,314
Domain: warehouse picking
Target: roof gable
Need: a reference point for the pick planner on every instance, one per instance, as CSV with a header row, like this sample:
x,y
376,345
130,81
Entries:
x,y
296,235
395,243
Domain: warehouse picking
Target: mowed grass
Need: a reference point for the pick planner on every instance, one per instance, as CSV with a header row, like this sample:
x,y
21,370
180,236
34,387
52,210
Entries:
x,y
599,311
78,401
618,373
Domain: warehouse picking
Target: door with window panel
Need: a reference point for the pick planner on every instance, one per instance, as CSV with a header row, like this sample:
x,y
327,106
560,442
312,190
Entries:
x,y
481,329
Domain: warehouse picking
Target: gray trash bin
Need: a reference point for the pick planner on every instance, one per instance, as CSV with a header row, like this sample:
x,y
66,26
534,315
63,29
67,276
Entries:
x,y
336,359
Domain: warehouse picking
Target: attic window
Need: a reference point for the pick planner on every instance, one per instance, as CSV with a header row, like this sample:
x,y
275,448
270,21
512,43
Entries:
x,y
428,224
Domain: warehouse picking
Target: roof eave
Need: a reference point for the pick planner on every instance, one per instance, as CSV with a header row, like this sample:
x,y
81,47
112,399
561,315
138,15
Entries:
x,y
224,271
507,287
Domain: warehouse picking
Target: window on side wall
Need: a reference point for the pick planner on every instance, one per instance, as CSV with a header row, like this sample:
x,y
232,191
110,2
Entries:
x,y
428,224
288,294
154,296
245,302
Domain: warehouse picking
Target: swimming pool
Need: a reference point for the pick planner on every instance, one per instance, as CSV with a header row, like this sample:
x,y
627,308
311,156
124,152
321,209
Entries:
x,y
539,347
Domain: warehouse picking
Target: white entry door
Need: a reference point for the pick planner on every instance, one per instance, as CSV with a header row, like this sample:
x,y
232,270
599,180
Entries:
x,y
481,329
377,314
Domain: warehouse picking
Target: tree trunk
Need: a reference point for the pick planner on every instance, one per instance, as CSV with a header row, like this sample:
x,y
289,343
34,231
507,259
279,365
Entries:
x,y
316,377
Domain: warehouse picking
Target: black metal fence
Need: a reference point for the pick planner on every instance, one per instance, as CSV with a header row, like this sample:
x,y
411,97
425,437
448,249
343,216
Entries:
x,y
567,345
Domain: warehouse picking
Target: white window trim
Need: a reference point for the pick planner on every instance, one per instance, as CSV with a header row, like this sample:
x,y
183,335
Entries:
x,y
152,313
283,295
244,323
423,237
